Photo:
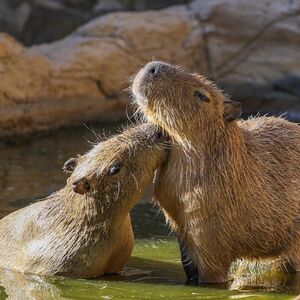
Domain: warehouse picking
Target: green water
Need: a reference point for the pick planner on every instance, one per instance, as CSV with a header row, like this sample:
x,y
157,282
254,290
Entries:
x,y
30,170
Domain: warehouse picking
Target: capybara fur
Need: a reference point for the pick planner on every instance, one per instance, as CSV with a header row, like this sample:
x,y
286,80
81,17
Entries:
x,y
231,189
84,230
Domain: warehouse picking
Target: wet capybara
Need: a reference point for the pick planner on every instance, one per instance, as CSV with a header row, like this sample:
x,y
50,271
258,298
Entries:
x,y
84,230
231,189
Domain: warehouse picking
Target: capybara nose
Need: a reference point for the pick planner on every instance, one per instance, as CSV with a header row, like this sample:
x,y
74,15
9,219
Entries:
x,y
153,68
81,186
147,75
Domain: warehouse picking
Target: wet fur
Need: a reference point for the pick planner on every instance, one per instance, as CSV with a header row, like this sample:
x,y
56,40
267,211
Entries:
x,y
230,189
85,235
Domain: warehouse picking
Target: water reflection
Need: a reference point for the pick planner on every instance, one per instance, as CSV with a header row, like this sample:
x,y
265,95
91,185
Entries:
x,y
280,282
17,286
143,279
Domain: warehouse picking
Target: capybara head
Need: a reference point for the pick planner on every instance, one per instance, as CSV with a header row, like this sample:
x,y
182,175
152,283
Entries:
x,y
175,99
116,171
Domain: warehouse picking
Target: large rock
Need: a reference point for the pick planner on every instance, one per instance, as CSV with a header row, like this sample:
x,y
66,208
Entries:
x,y
83,76
249,47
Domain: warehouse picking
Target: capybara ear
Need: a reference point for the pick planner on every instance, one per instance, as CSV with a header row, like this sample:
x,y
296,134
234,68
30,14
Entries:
x,y
81,186
232,110
70,165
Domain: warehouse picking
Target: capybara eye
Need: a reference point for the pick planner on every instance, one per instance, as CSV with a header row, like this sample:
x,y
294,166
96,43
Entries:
x,y
115,169
201,96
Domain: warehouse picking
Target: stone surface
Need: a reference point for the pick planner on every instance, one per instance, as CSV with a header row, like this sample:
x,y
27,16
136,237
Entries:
x,y
250,48
83,76
44,21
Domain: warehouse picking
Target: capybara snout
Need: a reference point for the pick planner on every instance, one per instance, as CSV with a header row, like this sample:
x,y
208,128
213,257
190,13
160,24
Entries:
x,y
154,69
81,186
146,76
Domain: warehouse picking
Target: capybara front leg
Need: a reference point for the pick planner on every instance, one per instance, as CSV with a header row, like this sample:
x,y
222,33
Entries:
x,y
189,265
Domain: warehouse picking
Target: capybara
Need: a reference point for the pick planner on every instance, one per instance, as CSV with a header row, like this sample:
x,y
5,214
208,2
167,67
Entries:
x,y
231,189
84,230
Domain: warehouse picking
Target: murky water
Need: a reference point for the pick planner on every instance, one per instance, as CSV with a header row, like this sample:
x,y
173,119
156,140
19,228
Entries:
x,y
32,170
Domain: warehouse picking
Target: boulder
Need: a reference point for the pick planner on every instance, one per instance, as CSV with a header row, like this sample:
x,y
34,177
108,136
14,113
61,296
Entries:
x,y
82,77
250,48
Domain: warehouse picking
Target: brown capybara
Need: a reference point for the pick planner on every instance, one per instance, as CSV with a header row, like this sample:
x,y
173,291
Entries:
x,y
84,230
230,188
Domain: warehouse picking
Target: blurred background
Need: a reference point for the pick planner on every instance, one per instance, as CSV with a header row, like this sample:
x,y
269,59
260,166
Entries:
x,y
65,66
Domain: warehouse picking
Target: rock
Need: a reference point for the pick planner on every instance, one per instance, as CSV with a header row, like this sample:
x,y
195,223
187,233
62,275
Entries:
x,y
13,16
105,6
50,23
44,21
249,48
83,76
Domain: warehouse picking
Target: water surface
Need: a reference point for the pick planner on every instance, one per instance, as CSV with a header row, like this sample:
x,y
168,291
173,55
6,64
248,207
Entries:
x,y
30,170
